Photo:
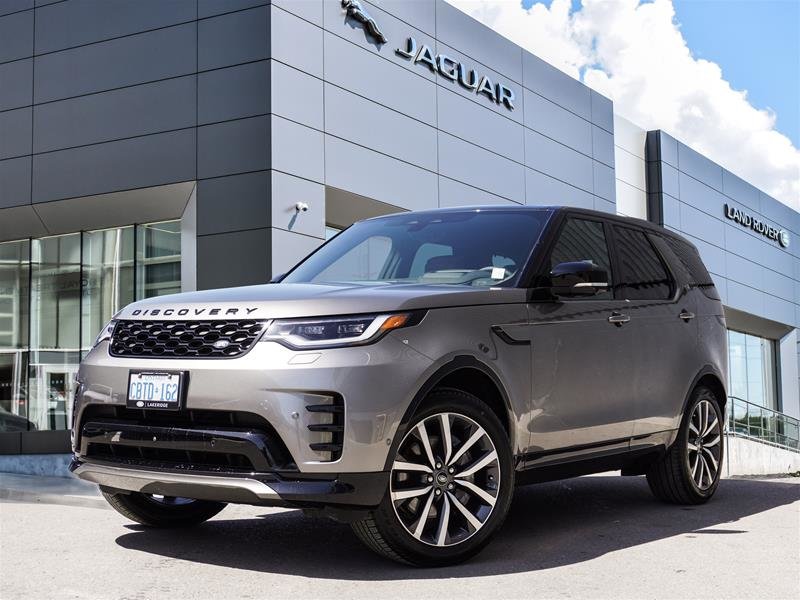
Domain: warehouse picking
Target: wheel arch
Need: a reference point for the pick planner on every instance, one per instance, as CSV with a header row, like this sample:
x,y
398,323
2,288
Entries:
x,y
467,374
709,377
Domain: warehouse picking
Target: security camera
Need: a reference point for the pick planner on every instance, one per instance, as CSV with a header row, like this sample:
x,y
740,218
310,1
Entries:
x,y
301,207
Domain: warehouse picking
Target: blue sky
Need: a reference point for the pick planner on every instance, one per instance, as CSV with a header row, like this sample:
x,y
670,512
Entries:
x,y
755,42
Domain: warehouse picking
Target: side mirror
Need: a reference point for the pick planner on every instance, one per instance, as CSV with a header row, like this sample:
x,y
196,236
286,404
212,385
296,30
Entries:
x,y
580,278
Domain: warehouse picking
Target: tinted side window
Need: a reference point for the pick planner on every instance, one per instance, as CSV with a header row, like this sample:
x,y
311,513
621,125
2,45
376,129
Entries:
x,y
583,240
696,270
643,275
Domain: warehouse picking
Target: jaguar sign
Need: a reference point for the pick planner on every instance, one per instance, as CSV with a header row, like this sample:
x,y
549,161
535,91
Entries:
x,y
442,64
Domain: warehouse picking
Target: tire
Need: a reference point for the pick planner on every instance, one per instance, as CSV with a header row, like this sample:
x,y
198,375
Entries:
x,y
162,512
689,472
473,461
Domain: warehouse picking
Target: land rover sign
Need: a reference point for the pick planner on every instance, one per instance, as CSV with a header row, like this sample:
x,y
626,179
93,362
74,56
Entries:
x,y
746,220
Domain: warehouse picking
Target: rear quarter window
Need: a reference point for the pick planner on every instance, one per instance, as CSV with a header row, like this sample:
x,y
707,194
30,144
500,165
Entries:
x,y
687,258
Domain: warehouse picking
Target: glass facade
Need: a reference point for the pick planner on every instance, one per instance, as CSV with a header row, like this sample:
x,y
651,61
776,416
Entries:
x,y
56,293
752,369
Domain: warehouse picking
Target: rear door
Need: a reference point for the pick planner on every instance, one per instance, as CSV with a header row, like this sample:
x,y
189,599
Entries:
x,y
663,330
580,402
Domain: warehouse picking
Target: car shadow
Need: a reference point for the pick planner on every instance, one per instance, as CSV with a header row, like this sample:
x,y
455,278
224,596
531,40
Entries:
x,y
549,525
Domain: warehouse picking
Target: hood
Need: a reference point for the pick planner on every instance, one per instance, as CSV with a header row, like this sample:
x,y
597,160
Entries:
x,y
291,300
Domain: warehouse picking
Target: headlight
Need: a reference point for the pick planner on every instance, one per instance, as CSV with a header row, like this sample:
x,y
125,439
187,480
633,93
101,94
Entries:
x,y
105,333
336,331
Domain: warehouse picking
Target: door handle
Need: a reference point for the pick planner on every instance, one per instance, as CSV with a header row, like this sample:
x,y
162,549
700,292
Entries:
x,y
686,315
618,319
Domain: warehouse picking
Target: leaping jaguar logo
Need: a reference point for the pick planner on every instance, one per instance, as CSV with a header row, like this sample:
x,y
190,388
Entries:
x,y
357,13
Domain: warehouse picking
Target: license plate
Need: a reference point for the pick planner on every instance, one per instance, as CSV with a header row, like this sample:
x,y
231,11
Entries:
x,y
155,390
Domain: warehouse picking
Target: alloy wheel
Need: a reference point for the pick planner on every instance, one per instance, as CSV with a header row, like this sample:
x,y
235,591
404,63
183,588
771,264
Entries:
x,y
445,479
704,443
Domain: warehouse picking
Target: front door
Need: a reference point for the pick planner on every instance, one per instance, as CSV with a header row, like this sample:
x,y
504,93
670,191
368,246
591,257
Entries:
x,y
580,350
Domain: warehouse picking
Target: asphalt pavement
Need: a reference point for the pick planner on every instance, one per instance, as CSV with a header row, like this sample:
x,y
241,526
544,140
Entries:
x,y
592,537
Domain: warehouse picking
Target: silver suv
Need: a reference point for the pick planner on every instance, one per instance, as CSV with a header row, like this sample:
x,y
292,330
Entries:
x,y
410,372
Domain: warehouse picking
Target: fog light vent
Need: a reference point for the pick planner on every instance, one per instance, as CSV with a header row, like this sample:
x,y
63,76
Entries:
x,y
331,426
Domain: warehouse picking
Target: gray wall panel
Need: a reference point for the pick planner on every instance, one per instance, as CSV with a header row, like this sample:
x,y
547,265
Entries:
x,y
127,112
699,167
745,298
15,182
701,225
744,271
209,8
233,147
286,192
233,203
518,114
229,259
547,81
542,190
602,111
741,191
297,96
289,248
738,241
421,15
455,193
563,126
10,6
467,35
378,176
233,38
604,181
126,61
552,158
700,195
120,165
779,285
16,36
297,150
15,132
672,212
474,123
602,146
233,92
78,22
347,64
485,170
310,10
16,84
285,30
363,122
395,30
670,180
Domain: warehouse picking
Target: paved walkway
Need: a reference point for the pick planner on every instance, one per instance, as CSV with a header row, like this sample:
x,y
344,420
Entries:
x,y
67,491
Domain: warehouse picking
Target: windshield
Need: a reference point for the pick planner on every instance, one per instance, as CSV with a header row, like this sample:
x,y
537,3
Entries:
x,y
471,248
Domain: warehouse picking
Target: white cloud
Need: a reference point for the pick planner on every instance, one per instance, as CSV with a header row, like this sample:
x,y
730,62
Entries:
x,y
635,53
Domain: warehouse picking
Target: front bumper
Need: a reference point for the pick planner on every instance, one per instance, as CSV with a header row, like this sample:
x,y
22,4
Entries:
x,y
354,490
286,389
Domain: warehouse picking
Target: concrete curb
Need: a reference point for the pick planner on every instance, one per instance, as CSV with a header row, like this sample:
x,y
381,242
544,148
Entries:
x,y
39,489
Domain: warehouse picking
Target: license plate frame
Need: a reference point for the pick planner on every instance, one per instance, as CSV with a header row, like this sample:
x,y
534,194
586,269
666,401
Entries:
x,y
154,377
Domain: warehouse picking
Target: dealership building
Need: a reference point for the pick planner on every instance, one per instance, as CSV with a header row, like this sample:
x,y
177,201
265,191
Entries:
x,y
152,147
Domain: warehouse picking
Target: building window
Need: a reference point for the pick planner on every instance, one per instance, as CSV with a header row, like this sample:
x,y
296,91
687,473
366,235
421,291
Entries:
x,y
56,293
752,370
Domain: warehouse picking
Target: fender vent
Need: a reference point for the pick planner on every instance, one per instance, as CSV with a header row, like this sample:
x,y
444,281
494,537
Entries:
x,y
329,424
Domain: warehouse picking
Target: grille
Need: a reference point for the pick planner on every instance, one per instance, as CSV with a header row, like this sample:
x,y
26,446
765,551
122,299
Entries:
x,y
184,339
264,451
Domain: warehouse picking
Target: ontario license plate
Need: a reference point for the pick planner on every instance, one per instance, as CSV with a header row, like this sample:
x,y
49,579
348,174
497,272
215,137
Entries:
x,y
155,390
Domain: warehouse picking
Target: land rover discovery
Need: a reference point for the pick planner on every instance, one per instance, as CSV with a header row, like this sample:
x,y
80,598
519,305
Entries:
x,y
410,372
